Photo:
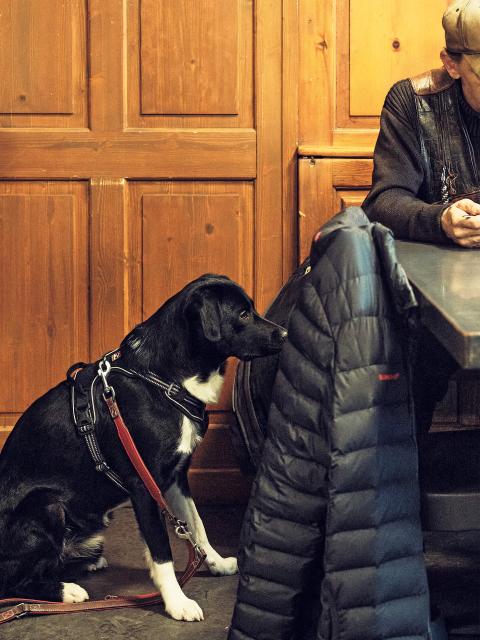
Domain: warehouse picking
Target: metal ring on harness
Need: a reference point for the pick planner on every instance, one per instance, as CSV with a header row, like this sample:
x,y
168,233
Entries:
x,y
108,393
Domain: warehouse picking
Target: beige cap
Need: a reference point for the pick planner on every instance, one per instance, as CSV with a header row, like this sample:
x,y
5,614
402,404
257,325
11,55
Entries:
x,y
461,22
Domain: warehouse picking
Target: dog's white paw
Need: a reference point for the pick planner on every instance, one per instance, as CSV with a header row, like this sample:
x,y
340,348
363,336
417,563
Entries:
x,y
182,608
73,592
219,566
101,563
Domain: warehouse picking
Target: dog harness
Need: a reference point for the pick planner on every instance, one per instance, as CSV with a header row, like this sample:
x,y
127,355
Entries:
x,y
83,378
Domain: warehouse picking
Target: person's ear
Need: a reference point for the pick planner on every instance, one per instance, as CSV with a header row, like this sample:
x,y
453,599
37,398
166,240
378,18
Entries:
x,y
450,65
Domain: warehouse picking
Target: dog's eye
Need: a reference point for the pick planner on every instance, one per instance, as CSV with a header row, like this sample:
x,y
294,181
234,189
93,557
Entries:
x,y
245,315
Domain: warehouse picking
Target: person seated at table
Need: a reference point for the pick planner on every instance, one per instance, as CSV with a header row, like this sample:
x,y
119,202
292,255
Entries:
x,y
428,148
426,170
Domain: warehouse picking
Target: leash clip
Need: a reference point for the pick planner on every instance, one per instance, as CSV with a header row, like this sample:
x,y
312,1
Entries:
x,y
103,371
181,530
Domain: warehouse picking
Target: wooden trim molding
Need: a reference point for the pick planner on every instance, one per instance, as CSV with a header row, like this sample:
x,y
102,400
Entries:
x,y
320,151
268,191
209,153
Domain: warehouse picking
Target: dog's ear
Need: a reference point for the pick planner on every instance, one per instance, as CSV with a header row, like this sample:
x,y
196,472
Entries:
x,y
209,311
203,306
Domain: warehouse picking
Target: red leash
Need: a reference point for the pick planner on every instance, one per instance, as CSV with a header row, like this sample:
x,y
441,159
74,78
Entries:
x,y
196,555
26,606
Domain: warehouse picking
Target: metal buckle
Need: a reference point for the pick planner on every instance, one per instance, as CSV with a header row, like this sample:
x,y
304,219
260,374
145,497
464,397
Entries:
x,y
175,392
86,427
21,608
21,614
102,467
109,393
104,367
172,390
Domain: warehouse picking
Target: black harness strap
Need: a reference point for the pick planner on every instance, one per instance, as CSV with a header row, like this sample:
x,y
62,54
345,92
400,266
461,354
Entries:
x,y
83,378
84,418
190,406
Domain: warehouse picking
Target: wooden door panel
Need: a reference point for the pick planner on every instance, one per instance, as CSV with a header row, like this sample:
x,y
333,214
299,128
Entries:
x,y
200,234
191,63
183,66
397,33
191,228
44,301
351,52
350,198
326,187
43,63
107,135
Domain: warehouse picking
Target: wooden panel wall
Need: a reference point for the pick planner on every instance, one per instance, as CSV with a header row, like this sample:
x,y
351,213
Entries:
x,y
406,37
188,60
219,217
43,323
351,52
326,187
141,144
43,64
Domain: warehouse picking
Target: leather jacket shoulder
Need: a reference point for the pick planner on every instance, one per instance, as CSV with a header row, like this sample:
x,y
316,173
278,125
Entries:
x,y
431,82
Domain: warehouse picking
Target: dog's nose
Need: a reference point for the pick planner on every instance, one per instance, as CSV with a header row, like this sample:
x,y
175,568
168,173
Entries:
x,y
282,334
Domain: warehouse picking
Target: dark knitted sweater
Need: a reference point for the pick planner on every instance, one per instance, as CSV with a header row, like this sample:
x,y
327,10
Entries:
x,y
398,173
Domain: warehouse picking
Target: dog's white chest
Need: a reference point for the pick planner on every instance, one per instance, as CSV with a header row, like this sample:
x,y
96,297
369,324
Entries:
x,y
207,391
189,437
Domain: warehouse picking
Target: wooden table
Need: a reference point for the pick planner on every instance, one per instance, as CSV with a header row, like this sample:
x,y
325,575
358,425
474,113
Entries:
x,y
446,280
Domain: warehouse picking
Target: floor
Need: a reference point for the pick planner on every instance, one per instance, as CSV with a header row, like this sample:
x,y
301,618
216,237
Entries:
x,y
453,564
454,567
126,574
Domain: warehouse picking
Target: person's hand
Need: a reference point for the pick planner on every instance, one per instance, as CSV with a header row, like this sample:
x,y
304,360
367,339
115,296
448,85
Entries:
x,y
461,223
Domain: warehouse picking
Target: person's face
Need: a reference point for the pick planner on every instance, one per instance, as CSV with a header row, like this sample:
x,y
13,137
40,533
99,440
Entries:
x,y
463,70
467,73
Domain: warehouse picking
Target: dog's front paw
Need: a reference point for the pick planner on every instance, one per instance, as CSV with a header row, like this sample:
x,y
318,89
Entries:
x,y
219,566
73,592
182,608
101,563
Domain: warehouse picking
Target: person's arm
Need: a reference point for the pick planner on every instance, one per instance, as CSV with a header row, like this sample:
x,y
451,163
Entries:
x,y
398,174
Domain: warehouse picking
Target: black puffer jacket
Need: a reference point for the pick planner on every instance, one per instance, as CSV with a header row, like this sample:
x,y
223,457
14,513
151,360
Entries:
x,y
331,545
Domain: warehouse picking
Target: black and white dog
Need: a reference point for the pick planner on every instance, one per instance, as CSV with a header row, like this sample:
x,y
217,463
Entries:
x,y
54,505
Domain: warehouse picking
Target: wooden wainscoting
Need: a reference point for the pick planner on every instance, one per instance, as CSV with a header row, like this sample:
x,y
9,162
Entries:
x,y
142,143
351,52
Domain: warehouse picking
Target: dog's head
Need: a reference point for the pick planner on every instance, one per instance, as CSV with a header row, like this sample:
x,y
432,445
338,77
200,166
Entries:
x,y
222,317
197,329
